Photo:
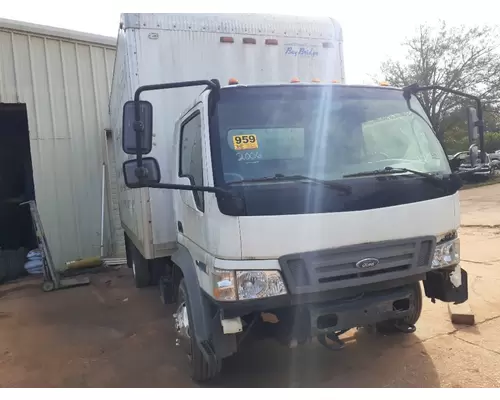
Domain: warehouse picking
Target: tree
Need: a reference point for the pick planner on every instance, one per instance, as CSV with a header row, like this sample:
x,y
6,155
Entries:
x,y
460,58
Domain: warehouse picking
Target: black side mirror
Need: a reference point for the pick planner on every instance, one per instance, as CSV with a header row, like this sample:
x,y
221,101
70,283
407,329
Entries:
x,y
144,125
136,177
471,122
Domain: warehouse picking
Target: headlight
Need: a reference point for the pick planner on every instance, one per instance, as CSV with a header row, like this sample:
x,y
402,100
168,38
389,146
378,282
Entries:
x,y
447,254
247,285
258,284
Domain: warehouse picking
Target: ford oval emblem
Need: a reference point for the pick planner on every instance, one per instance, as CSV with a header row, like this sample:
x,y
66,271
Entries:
x,y
367,263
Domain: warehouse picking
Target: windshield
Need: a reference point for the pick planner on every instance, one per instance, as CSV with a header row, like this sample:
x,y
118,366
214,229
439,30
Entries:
x,y
322,132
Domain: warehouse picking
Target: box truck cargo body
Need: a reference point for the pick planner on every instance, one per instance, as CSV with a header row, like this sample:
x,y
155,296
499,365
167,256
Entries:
x,y
154,48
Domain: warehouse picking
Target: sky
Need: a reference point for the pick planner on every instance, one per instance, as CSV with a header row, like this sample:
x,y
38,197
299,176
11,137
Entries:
x,y
373,30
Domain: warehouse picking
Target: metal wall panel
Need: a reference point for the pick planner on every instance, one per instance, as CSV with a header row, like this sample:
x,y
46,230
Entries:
x,y
64,78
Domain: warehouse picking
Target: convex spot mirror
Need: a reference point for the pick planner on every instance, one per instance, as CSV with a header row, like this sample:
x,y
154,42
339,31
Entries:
x,y
471,122
150,172
129,138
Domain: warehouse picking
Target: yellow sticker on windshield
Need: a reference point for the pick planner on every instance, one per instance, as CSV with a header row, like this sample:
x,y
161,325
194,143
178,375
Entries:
x,y
245,142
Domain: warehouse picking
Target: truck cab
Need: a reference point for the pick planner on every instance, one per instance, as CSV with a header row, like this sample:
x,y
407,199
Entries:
x,y
321,205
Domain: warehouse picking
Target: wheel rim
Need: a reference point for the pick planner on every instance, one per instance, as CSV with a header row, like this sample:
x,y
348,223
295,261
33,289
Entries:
x,y
181,322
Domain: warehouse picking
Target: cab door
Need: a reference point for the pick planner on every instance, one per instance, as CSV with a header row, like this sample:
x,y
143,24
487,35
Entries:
x,y
190,205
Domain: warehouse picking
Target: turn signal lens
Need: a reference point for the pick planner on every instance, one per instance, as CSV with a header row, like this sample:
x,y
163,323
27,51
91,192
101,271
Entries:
x,y
224,287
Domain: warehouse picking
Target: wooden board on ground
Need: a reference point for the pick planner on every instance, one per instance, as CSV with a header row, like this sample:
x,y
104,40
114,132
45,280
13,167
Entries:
x,y
461,314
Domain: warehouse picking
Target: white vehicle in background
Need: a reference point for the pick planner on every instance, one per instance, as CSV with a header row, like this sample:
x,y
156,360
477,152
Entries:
x,y
321,203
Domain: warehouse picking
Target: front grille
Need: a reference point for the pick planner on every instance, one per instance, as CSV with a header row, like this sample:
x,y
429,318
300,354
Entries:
x,y
336,268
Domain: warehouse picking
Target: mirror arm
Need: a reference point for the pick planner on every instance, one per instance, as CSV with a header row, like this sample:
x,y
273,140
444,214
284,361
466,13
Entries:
x,y
139,126
415,88
174,186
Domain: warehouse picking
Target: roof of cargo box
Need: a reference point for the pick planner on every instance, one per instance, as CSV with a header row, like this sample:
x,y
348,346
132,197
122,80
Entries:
x,y
253,24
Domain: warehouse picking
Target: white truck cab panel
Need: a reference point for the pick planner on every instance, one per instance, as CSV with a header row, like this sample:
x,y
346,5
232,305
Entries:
x,y
197,213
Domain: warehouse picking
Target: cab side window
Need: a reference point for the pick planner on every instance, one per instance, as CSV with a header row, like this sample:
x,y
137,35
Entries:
x,y
191,159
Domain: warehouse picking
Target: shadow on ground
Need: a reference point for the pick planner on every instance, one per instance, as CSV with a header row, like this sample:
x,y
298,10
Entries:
x,y
109,334
367,361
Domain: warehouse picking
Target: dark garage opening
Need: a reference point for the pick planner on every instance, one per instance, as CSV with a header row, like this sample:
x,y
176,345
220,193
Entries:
x,y
16,186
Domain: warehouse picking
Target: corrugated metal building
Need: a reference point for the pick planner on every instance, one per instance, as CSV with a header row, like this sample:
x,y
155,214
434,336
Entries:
x,y
63,78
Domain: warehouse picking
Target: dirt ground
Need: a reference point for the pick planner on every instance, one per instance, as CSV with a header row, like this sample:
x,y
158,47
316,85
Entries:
x,y
109,334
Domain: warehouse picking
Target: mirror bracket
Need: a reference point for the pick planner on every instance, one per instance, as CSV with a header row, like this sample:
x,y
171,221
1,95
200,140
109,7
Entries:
x,y
473,155
138,126
141,172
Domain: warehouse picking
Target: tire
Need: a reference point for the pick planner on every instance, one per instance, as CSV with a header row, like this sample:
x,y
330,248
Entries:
x,y
412,319
138,264
200,369
146,272
48,286
157,269
140,269
128,251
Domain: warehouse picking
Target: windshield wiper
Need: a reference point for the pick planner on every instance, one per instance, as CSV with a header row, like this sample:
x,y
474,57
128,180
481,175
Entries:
x,y
291,178
391,170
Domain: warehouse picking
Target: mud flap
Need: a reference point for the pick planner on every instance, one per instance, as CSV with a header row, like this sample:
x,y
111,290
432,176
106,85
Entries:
x,y
198,305
442,285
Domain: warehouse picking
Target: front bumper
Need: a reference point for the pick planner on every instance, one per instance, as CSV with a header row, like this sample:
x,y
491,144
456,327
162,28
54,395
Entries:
x,y
335,276
351,303
366,310
290,301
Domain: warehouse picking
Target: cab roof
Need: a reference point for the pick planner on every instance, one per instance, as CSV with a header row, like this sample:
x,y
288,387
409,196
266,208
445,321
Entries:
x,y
289,84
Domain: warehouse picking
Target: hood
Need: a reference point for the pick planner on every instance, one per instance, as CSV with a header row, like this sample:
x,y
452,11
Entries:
x,y
270,237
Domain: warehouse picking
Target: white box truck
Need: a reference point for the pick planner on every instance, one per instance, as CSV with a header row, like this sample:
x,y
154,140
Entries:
x,y
261,185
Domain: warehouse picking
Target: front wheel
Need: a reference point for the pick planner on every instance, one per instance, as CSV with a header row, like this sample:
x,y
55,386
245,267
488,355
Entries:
x,y
200,369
